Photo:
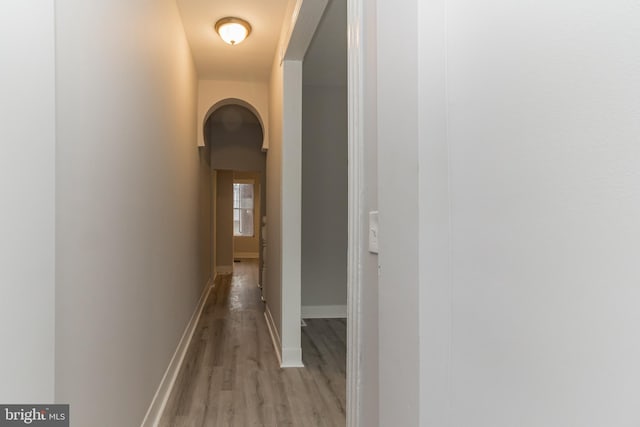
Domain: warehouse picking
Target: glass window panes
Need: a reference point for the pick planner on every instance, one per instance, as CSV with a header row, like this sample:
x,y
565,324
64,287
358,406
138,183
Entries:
x,y
242,209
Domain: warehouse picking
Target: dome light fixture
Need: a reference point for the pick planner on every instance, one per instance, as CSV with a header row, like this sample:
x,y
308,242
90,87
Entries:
x,y
233,30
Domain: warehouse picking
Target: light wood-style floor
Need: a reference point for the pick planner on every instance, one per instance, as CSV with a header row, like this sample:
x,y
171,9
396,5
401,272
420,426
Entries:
x,y
231,377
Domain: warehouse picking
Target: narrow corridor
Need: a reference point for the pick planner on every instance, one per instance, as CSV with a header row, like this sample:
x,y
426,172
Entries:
x,y
231,376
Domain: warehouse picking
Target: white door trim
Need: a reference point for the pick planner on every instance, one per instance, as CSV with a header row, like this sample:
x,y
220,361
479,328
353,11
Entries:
x,y
355,22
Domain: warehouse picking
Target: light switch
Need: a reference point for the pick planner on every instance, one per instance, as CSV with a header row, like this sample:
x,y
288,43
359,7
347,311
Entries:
x,y
373,232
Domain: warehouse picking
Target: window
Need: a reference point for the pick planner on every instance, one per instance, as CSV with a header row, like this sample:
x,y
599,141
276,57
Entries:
x,y
242,209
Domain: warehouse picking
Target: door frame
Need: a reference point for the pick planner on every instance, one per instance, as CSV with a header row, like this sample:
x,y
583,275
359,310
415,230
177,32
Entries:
x,y
292,50
355,24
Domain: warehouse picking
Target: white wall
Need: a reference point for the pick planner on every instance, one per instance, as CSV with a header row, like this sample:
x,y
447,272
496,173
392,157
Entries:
x,y
127,269
398,203
27,206
435,205
528,189
324,196
546,200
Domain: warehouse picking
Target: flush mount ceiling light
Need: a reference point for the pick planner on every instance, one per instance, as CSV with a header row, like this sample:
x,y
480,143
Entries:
x,y
233,30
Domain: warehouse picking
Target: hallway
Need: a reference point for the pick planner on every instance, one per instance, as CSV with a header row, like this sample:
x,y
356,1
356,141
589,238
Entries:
x,y
231,377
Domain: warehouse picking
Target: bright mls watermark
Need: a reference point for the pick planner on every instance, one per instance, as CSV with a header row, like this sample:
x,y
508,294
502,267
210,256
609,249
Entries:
x,y
34,415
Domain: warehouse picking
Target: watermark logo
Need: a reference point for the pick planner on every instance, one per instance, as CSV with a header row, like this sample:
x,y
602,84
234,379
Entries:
x,y
34,415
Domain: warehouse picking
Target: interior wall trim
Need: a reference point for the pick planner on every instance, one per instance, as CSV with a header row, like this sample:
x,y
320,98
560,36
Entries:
x,y
324,311
246,255
292,357
224,269
273,331
355,26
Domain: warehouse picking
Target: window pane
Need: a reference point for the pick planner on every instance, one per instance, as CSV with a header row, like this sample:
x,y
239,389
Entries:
x,y
246,222
243,209
236,228
246,196
236,195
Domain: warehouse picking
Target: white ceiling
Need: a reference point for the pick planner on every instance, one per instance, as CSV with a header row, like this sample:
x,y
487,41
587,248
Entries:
x,y
325,63
252,59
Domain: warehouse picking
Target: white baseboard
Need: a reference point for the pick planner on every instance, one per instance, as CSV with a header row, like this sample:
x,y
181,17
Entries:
x,y
273,331
324,311
246,255
224,269
154,413
292,358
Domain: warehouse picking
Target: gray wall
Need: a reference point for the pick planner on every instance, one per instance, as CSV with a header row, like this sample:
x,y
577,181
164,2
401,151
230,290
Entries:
x,y
324,195
128,187
27,201
239,150
324,162
224,219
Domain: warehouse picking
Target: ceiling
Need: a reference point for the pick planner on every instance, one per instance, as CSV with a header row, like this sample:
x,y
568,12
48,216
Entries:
x,y
325,63
248,61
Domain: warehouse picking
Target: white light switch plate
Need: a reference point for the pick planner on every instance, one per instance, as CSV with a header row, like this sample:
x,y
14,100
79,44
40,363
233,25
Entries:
x,y
373,232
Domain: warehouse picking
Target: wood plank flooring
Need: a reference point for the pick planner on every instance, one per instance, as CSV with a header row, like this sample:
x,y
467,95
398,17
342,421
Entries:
x,y
231,377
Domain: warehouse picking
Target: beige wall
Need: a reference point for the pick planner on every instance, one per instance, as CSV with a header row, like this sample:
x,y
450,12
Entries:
x,y
224,221
130,189
214,219
273,287
205,222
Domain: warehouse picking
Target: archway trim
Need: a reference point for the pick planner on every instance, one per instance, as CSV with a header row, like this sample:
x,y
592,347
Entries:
x,y
213,94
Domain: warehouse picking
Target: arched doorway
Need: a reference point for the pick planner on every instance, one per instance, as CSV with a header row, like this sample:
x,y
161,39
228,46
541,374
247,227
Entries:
x,y
234,135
